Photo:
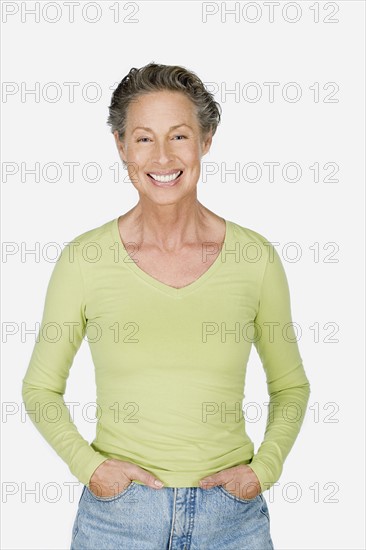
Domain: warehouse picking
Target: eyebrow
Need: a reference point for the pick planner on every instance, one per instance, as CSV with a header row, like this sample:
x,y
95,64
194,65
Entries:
x,y
150,130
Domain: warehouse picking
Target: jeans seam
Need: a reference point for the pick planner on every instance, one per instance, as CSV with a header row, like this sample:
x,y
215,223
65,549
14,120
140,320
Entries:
x,y
76,528
262,509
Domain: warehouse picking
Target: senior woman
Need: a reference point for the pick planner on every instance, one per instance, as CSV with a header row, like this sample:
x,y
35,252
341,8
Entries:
x,y
171,297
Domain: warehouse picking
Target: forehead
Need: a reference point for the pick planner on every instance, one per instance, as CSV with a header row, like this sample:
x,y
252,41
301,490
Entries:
x,y
161,105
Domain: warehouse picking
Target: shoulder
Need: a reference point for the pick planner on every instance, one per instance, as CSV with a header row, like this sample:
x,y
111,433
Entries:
x,y
260,253
95,235
249,237
89,246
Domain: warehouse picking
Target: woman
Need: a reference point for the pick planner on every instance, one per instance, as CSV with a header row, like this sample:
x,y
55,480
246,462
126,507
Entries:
x,y
171,297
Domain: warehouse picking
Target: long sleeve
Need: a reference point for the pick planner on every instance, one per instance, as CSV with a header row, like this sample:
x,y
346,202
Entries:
x,y
287,384
43,386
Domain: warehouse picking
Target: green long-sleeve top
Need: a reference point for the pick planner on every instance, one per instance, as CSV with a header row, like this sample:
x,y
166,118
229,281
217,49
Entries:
x,y
169,363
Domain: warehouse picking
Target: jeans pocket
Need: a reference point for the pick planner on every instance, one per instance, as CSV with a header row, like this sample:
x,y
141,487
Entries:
x,y
111,498
238,499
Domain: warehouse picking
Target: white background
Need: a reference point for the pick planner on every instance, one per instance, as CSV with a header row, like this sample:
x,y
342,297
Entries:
x,y
319,500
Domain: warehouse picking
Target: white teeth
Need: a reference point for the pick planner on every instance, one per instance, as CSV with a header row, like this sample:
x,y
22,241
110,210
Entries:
x,y
165,179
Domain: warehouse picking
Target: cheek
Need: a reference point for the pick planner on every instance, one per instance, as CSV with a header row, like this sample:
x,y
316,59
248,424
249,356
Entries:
x,y
191,156
137,156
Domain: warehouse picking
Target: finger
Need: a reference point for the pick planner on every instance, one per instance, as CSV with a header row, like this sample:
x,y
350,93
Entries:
x,y
211,481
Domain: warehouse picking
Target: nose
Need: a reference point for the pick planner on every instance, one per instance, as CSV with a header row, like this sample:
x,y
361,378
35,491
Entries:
x,y
162,152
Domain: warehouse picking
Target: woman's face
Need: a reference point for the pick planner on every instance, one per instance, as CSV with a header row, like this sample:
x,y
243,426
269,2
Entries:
x,y
163,138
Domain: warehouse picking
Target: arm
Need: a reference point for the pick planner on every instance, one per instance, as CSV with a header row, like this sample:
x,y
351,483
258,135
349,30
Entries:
x,y
45,380
287,384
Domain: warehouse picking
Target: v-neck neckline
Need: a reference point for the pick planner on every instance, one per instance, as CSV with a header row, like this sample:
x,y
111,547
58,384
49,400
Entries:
x,y
170,290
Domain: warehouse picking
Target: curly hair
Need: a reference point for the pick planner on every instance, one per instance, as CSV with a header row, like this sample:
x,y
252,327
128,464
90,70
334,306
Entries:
x,y
155,77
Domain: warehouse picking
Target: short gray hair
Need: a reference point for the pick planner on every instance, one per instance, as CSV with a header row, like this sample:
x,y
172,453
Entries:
x,y
155,77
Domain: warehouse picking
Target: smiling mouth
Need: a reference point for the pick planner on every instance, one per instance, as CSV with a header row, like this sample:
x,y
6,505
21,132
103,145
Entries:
x,y
165,180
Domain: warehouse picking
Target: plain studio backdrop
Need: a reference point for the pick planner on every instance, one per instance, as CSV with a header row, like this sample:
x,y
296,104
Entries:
x,y
287,162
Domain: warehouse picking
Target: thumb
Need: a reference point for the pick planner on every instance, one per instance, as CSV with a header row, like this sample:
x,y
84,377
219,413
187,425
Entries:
x,y
148,479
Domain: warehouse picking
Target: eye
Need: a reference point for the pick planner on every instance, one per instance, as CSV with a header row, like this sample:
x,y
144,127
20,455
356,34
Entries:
x,y
177,136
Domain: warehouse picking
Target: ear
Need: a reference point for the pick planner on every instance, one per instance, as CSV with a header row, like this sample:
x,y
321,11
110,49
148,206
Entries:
x,y
206,143
120,146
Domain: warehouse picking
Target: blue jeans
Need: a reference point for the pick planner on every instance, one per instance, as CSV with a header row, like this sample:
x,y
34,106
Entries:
x,y
187,518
